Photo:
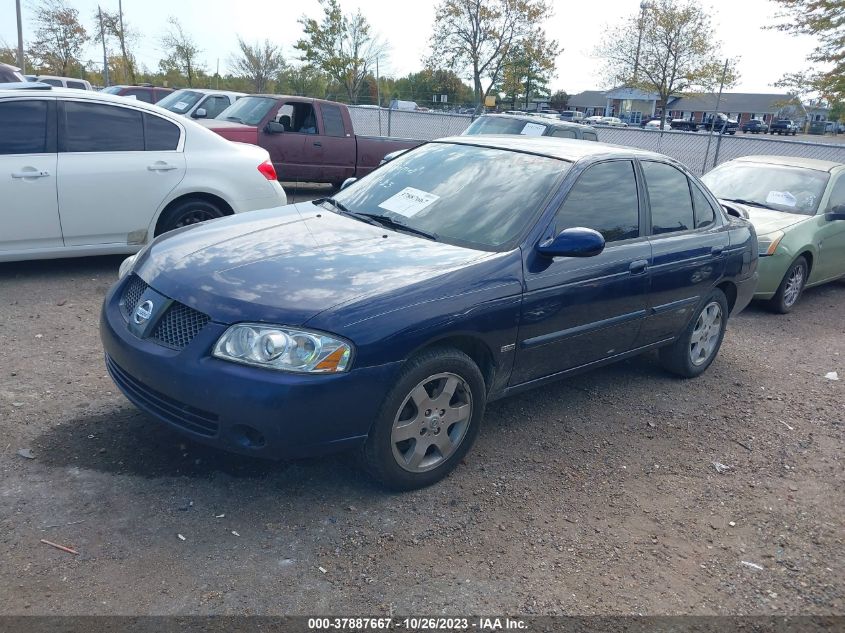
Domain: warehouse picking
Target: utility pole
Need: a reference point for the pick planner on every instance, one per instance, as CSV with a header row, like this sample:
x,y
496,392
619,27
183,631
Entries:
x,y
644,6
217,76
105,55
20,37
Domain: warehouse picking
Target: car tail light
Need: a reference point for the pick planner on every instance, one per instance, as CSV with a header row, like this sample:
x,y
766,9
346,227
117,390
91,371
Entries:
x,y
268,170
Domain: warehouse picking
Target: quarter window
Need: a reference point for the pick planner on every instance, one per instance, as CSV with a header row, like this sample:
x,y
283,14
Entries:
x,y
605,199
23,127
94,127
669,195
837,194
160,135
705,215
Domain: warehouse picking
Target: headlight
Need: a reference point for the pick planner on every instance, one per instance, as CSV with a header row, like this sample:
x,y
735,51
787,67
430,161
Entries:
x,y
126,266
282,348
768,243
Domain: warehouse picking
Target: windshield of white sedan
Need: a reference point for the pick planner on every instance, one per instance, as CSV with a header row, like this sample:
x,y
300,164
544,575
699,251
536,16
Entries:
x,y
180,101
777,187
472,196
248,110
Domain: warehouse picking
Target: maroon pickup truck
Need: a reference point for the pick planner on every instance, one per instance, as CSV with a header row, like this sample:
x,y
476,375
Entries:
x,y
308,139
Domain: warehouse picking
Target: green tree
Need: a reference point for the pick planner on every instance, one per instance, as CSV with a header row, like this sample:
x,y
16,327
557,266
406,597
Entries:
x,y
304,80
529,68
559,100
182,53
342,46
676,54
259,63
477,36
59,38
824,20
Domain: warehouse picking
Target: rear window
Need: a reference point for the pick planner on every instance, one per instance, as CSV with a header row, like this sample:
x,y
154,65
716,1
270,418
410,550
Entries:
x,y
505,125
332,121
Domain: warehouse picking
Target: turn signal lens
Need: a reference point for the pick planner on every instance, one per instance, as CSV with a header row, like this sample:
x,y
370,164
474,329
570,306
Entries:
x,y
768,243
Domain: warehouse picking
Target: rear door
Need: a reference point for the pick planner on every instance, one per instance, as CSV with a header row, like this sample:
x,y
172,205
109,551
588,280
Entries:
x,y
29,213
580,310
116,165
688,241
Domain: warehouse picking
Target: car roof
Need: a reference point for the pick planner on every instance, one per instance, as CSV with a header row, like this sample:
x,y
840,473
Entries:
x,y
529,118
73,93
791,161
562,148
208,91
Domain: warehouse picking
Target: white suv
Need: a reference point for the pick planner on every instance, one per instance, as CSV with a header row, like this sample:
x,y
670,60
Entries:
x,y
85,173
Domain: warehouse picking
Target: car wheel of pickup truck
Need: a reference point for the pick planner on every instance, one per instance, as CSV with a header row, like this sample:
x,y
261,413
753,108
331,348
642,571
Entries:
x,y
698,345
428,421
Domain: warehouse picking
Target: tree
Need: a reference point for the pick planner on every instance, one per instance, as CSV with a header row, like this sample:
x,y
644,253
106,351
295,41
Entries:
x,y
477,36
304,80
181,52
678,52
559,100
259,63
59,37
343,46
529,68
825,20
114,26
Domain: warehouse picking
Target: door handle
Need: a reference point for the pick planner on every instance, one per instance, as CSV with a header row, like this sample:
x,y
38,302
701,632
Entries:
x,y
42,173
638,266
317,144
717,250
161,167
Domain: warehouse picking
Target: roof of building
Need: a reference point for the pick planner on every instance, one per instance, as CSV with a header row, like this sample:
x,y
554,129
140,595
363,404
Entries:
x,y
588,99
734,102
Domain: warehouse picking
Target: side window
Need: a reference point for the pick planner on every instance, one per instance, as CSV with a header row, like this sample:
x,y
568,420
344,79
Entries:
x,y
590,136
605,199
563,134
668,193
837,194
23,127
160,135
95,127
214,105
332,120
705,215
139,93
52,82
77,84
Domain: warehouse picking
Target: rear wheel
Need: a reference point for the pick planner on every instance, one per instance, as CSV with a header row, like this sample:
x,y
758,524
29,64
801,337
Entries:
x,y
698,345
428,421
187,212
791,287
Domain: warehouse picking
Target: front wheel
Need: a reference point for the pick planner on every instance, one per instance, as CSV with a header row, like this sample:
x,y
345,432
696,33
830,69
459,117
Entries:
x,y
691,354
428,421
187,212
791,287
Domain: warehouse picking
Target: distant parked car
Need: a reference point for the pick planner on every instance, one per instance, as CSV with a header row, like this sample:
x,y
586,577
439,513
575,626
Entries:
x,y
720,123
62,82
142,92
613,121
87,173
398,104
527,125
654,124
384,318
593,120
10,74
783,126
755,126
685,125
198,103
797,206
572,116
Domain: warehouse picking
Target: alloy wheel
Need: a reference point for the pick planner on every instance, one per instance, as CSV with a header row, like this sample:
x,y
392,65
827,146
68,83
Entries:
x,y
193,216
794,285
706,333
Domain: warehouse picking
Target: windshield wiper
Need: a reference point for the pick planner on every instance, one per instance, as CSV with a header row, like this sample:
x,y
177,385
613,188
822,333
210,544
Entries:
x,y
395,224
234,118
753,203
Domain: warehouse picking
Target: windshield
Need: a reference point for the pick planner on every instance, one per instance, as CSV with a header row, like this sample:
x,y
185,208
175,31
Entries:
x,y
248,110
180,101
779,187
471,196
504,125
113,90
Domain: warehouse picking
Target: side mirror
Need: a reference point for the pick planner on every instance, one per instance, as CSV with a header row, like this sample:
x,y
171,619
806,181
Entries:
x,y
200,113
347,182
835,213
274,127
574,242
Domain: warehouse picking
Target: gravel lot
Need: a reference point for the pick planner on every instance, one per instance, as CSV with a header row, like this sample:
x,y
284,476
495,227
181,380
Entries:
x,y
594,495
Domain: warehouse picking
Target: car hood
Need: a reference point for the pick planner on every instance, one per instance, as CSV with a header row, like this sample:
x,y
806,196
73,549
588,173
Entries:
x,y
766,220
290,263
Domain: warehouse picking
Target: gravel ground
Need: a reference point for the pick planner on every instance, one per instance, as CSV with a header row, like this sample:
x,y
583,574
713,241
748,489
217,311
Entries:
x,y
594,495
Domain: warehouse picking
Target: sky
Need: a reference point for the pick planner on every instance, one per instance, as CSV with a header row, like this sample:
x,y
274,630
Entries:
x,y
762,56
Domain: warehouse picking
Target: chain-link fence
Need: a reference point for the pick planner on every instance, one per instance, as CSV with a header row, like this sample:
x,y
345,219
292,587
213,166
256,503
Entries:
x,y
699,151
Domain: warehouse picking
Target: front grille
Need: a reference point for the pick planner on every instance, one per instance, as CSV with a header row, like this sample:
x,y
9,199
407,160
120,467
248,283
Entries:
x,y
165,407
179,325
132,293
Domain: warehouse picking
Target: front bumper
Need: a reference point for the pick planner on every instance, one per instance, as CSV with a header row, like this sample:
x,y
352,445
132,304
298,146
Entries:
x,y
239,408
772,269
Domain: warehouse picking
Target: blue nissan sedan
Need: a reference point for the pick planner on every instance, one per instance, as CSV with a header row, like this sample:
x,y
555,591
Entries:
x,y
385,318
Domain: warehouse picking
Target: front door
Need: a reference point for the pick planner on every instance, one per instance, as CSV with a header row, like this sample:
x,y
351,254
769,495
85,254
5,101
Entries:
x,y
580,310
831,236
116,166
29,214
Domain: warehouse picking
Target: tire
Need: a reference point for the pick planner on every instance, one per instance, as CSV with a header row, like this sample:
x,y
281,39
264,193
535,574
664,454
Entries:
x,y
791,287
698,345
411,445
187,212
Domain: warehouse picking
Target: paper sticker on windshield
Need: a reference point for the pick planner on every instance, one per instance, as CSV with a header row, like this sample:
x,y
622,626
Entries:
x,y
783,198
533,129
181,105
409,201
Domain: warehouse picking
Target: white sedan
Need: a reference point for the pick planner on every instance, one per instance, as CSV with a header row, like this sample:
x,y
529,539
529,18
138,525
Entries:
x,y
85,173
613,121
654,124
